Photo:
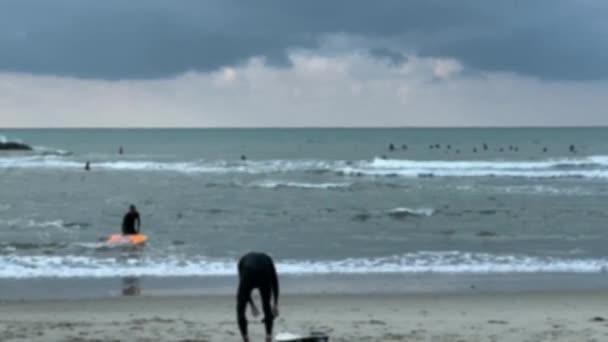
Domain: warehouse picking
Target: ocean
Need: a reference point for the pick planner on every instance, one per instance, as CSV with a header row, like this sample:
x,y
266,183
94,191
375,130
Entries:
x,y
452,203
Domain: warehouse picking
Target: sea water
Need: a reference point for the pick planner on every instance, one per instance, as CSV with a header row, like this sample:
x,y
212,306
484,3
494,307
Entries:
x,y
320,201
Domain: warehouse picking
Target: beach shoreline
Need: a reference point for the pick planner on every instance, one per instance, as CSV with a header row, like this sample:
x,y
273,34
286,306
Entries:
x,y
30,289
538,316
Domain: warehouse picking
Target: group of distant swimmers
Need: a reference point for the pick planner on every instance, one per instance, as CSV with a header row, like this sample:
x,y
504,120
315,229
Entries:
x,y
512,148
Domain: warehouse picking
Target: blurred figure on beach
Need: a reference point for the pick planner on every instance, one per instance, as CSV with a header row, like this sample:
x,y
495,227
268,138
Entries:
x,y
257,271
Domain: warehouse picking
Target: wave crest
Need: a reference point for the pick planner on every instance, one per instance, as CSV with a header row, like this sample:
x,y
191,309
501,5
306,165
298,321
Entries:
x,y
451,262
589,167
270,184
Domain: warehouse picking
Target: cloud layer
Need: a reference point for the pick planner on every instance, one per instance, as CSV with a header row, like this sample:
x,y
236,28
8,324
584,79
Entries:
x,y
317,89
303,63
116,39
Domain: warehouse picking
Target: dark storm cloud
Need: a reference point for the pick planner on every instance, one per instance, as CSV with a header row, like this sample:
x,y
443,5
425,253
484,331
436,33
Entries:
x,y
550,39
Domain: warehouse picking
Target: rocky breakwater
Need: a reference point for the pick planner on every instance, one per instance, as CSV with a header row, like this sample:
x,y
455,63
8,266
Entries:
x,y
14,146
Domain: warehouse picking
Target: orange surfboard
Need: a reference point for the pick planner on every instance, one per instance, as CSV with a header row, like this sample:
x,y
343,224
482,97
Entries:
x,y
119,239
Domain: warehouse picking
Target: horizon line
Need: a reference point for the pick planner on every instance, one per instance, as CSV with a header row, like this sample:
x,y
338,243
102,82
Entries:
x,y
299,127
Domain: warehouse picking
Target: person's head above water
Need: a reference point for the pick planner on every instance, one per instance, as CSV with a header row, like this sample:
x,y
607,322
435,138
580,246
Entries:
x,y
132,207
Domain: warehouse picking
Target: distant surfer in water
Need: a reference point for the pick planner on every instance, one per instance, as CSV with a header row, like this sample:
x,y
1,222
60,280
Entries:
x,y
128,222
121,150
257,271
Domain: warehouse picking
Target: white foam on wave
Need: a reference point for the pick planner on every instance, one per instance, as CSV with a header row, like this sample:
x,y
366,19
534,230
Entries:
x,y
47,151
544,190
38,162
31,223
530,189
598,159
204,166
589,167
481,164
219,166
270,184
4,139
451,262
410,211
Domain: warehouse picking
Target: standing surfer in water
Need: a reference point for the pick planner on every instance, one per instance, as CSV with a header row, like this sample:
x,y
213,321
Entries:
x,y
128,222
257,271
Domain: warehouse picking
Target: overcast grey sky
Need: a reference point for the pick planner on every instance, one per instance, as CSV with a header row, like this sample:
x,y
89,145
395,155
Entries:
x,y
303,63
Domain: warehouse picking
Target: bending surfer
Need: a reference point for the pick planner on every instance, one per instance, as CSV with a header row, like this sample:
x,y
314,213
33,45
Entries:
x,y
128,222
257,271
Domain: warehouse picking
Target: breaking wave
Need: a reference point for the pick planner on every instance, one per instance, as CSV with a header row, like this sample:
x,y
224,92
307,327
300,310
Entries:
x,y
450,262
402,212
270,184
589,167
31,223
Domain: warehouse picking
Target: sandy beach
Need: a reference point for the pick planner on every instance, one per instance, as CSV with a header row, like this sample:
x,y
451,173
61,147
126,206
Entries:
x,y
553,316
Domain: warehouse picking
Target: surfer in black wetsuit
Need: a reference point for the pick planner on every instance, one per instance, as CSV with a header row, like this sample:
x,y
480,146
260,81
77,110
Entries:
x,y
257,271
128,222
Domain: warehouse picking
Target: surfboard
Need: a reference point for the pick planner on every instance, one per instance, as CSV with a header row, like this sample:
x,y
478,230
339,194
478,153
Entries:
x,y
119,239
314,337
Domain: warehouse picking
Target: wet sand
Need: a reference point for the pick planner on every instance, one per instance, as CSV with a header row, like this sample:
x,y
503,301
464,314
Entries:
x,y
532,316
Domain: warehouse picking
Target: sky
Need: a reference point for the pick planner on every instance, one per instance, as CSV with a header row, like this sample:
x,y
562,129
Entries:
x,y
279,63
